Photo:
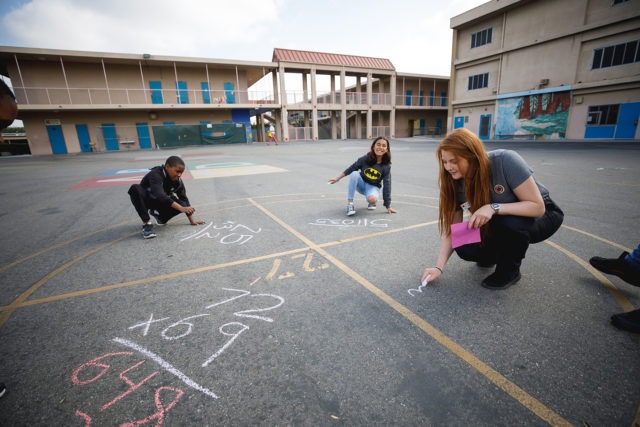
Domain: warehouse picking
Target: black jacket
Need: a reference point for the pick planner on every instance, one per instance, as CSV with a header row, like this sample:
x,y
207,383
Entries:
x,y
161,188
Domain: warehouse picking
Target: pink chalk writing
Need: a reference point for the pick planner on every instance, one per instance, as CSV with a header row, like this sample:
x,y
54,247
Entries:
x,y
99,362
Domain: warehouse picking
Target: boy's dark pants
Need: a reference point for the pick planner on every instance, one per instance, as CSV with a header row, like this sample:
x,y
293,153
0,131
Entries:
x,y
510,236
142,200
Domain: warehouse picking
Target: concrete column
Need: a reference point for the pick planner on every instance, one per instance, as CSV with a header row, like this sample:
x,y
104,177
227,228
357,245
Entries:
x,y
314,103
392,113
282,122
358,112
334,123
369,106
343,105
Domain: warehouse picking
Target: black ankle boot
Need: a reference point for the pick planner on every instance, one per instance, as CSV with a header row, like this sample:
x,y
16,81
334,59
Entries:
x,y
501,279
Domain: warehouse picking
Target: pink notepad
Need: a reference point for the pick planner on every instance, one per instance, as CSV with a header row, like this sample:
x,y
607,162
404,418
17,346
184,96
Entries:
x,y
461,235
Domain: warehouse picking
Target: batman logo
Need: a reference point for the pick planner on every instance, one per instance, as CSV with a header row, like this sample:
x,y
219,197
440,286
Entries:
x,y
372,174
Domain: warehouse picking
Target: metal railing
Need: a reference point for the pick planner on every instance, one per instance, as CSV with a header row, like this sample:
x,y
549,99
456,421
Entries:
x,y
421,101
127,96
300,133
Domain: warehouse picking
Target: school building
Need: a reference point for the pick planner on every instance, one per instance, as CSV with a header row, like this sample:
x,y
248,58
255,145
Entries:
x,y
547,69
72,101
534,69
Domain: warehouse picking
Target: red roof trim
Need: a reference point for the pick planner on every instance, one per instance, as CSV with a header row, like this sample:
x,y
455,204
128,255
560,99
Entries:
x,y
307,57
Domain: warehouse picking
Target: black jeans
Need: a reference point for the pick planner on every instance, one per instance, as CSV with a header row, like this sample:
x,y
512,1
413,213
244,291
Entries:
x,y
143,201
509,238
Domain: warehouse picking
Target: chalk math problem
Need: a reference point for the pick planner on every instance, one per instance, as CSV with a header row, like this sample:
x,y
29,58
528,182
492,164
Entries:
x,y
363,222
229,233
255,306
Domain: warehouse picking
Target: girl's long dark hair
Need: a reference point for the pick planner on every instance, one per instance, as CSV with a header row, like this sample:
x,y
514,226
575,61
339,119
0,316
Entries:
x,y
372,159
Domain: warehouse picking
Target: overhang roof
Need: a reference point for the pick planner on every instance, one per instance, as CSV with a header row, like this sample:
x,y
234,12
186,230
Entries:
x,y
335,59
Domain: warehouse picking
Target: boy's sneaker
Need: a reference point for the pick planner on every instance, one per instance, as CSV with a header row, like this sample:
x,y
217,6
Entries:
x,y
371,206
351,210
618,267
3,389
156,218
147,231
629,321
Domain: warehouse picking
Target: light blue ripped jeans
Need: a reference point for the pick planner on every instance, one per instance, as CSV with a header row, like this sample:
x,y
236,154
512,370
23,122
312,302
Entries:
x,y
356,183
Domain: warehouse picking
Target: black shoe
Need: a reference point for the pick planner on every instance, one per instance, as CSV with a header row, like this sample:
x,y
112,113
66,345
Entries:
x,y
147,231
3,389
618,267
497,281
629,321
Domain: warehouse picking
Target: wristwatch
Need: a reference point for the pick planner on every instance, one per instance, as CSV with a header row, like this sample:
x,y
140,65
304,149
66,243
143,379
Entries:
x,y
496,208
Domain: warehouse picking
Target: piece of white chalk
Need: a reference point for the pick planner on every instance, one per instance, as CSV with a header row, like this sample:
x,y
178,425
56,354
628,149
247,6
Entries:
x,y
426,280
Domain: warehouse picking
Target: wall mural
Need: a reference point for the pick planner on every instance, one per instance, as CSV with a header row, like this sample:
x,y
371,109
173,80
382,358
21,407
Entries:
x,y
542,115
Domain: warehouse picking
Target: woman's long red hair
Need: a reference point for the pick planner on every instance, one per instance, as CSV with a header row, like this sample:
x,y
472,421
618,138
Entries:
x,y
462,143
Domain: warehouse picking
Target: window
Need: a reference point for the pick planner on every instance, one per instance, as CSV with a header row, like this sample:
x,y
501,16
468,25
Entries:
x,y
481,38
615,2
600,115
478,81
620,54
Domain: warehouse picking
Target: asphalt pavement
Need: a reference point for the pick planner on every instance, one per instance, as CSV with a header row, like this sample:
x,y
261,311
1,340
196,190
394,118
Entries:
x,y
281,310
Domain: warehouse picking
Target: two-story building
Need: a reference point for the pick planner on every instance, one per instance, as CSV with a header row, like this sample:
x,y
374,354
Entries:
x,y
73,101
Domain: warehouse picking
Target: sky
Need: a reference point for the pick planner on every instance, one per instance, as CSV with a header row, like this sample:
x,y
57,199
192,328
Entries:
x,y
413,34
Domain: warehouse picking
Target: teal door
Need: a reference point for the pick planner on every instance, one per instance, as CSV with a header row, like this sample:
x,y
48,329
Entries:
x,y
156,91
56,139
229,93
143,135
110,137
407,97
84,138
628,120
206,95
183,94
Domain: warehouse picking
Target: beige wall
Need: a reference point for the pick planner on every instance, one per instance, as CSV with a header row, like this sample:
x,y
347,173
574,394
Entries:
x,y
586,75
544,45
524,69
125,122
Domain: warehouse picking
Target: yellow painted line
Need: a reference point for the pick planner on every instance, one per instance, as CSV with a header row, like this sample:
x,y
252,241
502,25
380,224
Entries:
x,y
146,280
615,292
106,288
58,246
487,371
593,236
8,310
378,234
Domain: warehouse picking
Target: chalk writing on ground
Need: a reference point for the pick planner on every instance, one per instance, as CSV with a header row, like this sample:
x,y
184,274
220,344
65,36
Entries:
x,y
229,233
362,222
419,289
244,304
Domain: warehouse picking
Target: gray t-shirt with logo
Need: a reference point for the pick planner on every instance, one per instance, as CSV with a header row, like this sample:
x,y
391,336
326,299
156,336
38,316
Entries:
x,y
508,171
